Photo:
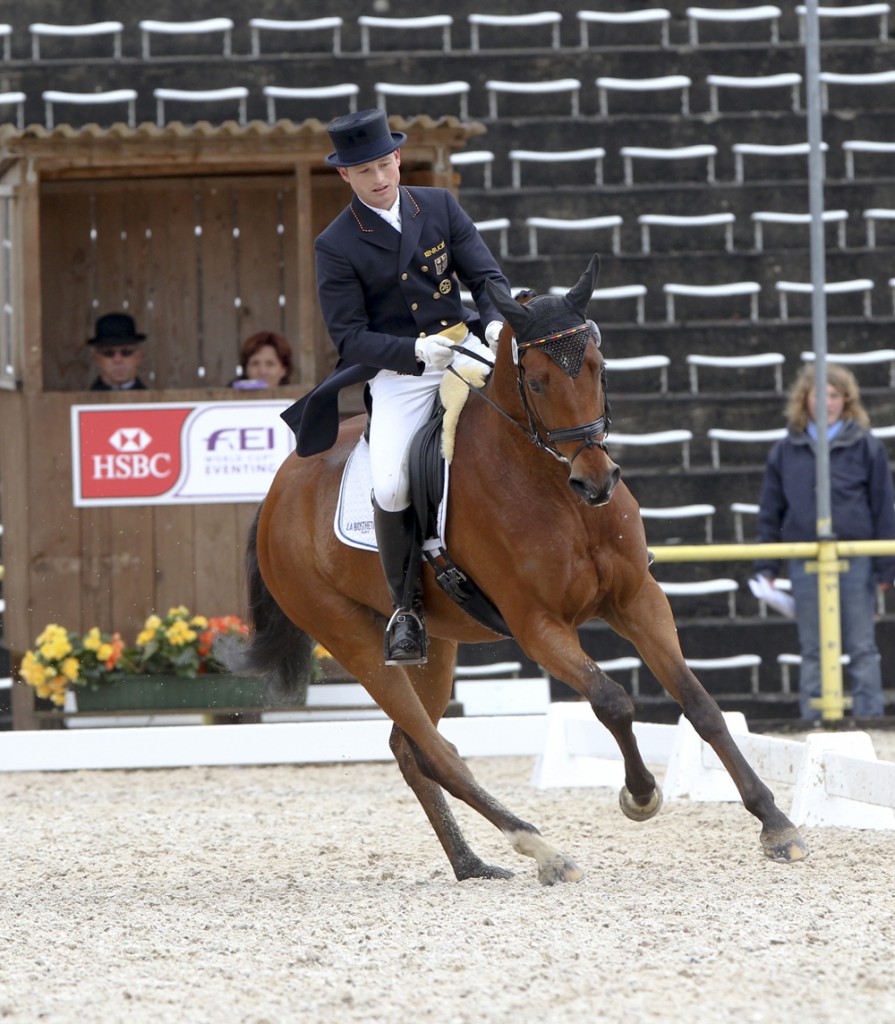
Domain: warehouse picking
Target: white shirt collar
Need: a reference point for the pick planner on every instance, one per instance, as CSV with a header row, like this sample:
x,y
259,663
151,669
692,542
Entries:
x,y
392,215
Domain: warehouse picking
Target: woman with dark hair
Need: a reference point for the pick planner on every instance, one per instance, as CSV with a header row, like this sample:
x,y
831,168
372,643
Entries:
x,y
862,509
265,361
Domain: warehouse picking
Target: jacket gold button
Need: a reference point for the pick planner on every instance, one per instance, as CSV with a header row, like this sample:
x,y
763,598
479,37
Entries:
x,y
424,269
414,305
404,277
436,295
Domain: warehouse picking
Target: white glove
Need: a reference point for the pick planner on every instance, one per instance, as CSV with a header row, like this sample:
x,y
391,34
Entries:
x,y
492,334
434,351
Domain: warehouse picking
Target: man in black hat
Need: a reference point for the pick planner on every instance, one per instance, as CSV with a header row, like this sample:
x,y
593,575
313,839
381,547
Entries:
x,y
389,270
117,353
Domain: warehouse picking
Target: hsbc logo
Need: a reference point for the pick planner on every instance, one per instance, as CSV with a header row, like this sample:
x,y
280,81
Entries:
x,y
130,439
131,467
131,463
131,453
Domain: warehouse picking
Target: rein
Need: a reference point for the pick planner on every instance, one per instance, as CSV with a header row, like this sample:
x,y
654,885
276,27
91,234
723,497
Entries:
x,y
587,433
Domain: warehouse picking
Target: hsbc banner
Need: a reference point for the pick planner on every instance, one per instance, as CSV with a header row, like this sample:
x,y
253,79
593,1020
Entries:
x,y
176,453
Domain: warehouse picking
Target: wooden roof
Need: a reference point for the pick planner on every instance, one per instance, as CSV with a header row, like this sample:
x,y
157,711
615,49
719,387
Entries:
x,y
64,149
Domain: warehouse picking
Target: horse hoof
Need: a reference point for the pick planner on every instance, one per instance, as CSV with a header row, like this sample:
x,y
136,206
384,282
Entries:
x,y
639,811
482,870
786,846
559,869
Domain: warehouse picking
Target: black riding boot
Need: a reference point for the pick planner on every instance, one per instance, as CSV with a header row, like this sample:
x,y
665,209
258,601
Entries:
x,y
405,635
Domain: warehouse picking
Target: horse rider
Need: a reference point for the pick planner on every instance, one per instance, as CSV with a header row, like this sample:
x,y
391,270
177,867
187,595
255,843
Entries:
x,y
389,268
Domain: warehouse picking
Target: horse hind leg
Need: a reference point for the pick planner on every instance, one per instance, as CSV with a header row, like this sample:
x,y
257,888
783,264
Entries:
x,y
441,763
433,683
463,859
406,696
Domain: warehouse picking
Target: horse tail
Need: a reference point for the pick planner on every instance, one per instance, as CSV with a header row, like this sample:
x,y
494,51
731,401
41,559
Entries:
x,y
276,649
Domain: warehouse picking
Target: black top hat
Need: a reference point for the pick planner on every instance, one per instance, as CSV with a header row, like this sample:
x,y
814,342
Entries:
x,y
362,137
116,329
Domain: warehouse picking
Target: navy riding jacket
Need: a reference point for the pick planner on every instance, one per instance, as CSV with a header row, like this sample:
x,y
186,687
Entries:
x,y
861,493
381,289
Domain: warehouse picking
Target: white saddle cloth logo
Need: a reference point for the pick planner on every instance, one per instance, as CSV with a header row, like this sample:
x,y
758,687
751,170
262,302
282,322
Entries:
x,y
354,511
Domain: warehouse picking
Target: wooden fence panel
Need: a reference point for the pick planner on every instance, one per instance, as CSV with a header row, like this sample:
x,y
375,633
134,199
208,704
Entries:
x,y
175,581
172,327
67,316
219,277
53,538
130,566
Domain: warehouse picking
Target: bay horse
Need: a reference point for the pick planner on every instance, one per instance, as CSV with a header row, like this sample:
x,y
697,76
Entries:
x,y
550,534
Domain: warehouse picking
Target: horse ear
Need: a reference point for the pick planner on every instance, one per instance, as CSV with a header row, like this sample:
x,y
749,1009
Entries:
x,y
513,312
579,296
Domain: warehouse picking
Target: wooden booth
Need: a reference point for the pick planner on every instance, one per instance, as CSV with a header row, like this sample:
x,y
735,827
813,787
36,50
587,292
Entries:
x,y
204,234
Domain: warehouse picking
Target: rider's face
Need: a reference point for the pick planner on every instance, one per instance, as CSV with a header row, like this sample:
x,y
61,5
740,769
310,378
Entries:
x,y
376,183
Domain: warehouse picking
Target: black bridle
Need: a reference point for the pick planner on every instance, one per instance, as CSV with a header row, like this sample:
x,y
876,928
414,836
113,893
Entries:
x,y
587,433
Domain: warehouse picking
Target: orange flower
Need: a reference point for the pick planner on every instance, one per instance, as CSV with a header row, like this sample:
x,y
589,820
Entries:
x,y
117,645
221,625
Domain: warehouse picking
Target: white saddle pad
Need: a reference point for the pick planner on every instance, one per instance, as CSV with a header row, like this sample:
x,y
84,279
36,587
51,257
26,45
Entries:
x,y
354,511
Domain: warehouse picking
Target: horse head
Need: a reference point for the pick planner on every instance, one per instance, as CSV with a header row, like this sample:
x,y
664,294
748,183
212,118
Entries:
x,y
560,379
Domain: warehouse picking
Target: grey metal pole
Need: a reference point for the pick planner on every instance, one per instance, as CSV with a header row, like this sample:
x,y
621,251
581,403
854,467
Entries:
x,y
818,270
832,702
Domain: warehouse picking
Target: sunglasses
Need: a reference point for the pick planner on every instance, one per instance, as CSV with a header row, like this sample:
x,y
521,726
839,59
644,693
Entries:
x,y
123,350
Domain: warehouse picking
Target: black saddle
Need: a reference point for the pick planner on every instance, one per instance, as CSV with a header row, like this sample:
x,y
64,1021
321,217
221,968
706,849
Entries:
x,y
426,492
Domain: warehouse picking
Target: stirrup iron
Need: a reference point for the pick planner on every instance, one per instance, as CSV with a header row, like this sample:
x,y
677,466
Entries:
x,y
415,647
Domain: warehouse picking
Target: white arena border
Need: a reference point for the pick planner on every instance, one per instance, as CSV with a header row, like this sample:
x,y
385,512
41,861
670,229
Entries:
x,y
837,778
319,742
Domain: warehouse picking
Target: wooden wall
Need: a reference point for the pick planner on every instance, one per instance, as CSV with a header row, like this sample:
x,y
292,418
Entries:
x,y
109,566
200,263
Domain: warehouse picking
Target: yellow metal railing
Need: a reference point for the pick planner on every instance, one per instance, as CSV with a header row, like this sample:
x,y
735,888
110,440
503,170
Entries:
x,y
827,561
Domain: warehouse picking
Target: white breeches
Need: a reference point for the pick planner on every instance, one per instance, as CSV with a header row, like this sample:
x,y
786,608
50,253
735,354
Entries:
x,y
401,405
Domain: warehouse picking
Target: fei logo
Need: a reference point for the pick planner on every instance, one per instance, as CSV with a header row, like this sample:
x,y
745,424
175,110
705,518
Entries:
x,y
127,452
177,453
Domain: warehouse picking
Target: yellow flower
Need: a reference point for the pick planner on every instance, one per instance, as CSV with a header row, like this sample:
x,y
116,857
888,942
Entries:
x,y
104,652
145,637
179,633
51,633
57,693
55,647
199,621
71,669
153,623
92,639
181,611
32,671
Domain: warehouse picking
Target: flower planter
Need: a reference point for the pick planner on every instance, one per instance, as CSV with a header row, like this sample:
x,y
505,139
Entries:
x,y
210,692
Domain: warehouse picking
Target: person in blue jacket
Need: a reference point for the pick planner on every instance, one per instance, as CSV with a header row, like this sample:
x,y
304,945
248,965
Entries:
x,y
389,270
863,508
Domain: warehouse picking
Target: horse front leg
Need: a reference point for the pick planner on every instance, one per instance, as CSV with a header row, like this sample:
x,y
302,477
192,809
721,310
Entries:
x,y
650,627
557,649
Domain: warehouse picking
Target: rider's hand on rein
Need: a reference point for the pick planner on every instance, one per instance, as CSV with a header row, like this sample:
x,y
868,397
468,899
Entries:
x,y
434,351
